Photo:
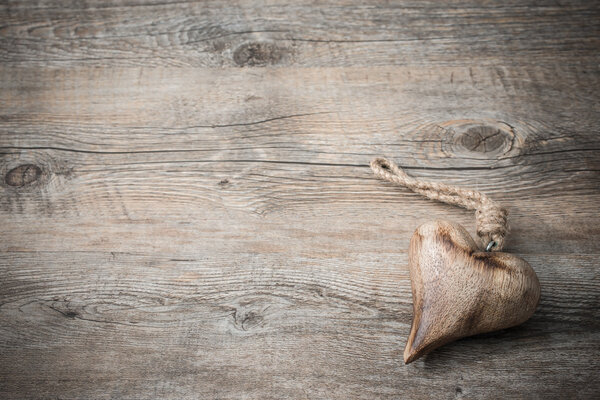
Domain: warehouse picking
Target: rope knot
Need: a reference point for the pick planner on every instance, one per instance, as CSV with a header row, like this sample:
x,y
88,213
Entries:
x,y
491,219
492,224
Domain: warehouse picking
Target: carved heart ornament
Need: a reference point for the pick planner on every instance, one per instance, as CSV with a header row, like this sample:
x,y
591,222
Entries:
x,y
459,291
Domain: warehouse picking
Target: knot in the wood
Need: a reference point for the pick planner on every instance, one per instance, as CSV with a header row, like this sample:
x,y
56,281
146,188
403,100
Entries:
x,y
23,175
246,319
483,139
257,54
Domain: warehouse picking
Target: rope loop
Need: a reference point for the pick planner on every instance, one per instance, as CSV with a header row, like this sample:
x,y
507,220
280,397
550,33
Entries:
x,y
491,219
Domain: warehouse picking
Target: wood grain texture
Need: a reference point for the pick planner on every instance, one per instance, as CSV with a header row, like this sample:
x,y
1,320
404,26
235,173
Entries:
x,y
187,209
459,290
303,34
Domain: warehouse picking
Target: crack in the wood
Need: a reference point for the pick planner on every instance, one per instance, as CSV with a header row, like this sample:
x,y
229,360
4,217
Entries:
x,y
75,315
232,124
67,314
255,122
546,153
449,168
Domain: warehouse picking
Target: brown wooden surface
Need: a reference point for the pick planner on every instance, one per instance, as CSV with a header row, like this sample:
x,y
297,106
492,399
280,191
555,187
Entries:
x,y
187,209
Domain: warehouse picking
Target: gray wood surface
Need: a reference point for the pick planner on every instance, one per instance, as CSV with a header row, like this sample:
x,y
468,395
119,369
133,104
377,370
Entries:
x,y
187,211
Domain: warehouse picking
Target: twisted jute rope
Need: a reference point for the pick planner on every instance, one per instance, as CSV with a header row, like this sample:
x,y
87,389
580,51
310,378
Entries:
x,y
491,219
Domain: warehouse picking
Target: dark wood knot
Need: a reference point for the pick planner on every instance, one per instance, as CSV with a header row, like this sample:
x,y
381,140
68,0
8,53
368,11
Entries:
x,y
23,175
247,319
483,138
257,54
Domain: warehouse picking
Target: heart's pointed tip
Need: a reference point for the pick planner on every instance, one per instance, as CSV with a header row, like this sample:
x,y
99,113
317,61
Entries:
x,y
411,351
410,357
412,354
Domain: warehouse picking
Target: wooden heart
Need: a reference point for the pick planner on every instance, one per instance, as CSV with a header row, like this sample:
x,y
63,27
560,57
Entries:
x,y
460,291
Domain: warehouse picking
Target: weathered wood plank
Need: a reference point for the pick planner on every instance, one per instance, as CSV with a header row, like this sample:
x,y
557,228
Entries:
x,y
300,325
231,147
307,33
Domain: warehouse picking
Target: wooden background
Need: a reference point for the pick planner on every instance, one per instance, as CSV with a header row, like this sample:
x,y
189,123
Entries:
x,y
187,211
